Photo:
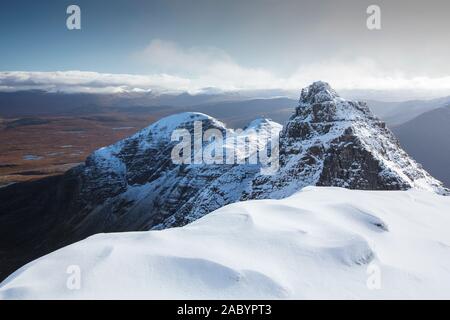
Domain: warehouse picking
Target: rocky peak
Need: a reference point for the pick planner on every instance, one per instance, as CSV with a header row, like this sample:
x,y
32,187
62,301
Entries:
x,y
320,103
331,141
258,123
317,92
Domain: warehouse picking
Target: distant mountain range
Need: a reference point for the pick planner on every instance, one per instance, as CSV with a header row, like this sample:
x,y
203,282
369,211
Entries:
x,y
427,139
396,113
219,104
235,109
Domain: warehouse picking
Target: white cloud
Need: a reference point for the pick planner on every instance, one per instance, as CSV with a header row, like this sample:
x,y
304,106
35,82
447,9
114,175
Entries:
x,y
365,74
82,81
191,69
204,66
168,56
212,67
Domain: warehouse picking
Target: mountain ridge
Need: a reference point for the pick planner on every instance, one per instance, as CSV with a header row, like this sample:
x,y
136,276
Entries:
x,y
134,185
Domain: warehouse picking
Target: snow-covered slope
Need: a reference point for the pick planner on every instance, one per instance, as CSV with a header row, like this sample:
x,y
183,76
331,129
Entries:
x,y
321,242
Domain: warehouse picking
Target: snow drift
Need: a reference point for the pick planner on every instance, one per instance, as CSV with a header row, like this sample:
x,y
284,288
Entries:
x,y
321,242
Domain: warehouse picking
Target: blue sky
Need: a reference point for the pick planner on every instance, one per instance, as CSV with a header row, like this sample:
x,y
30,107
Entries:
x,y
251,44
255,32
36,37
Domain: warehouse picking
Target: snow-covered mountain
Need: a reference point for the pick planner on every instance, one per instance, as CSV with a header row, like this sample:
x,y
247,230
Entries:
x,y
321,243
330,141
134,185
327,142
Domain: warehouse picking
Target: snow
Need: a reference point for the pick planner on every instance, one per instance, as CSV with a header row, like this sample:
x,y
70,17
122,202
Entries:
x,y
108,158
257,133
30,157
321,242
256,136
167,125
162,130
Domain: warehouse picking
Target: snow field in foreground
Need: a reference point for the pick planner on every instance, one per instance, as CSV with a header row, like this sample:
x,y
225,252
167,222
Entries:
x,y
319,243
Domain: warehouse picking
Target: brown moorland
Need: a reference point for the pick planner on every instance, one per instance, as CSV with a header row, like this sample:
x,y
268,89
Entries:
x,y
36,147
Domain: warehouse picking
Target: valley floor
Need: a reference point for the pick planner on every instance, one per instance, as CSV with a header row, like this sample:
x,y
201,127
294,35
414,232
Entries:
x,y
36,147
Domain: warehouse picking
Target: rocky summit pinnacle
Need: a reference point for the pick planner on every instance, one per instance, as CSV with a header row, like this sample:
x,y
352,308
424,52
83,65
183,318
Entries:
x,y
330,141
134,185
317,92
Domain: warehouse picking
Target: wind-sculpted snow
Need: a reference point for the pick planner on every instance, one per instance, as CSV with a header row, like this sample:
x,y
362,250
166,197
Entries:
x,y
319,243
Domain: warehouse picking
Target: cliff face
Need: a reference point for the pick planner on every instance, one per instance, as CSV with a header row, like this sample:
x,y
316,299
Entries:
x,y
135,185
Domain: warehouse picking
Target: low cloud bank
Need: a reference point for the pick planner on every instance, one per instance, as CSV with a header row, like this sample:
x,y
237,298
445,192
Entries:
x,y
178,69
